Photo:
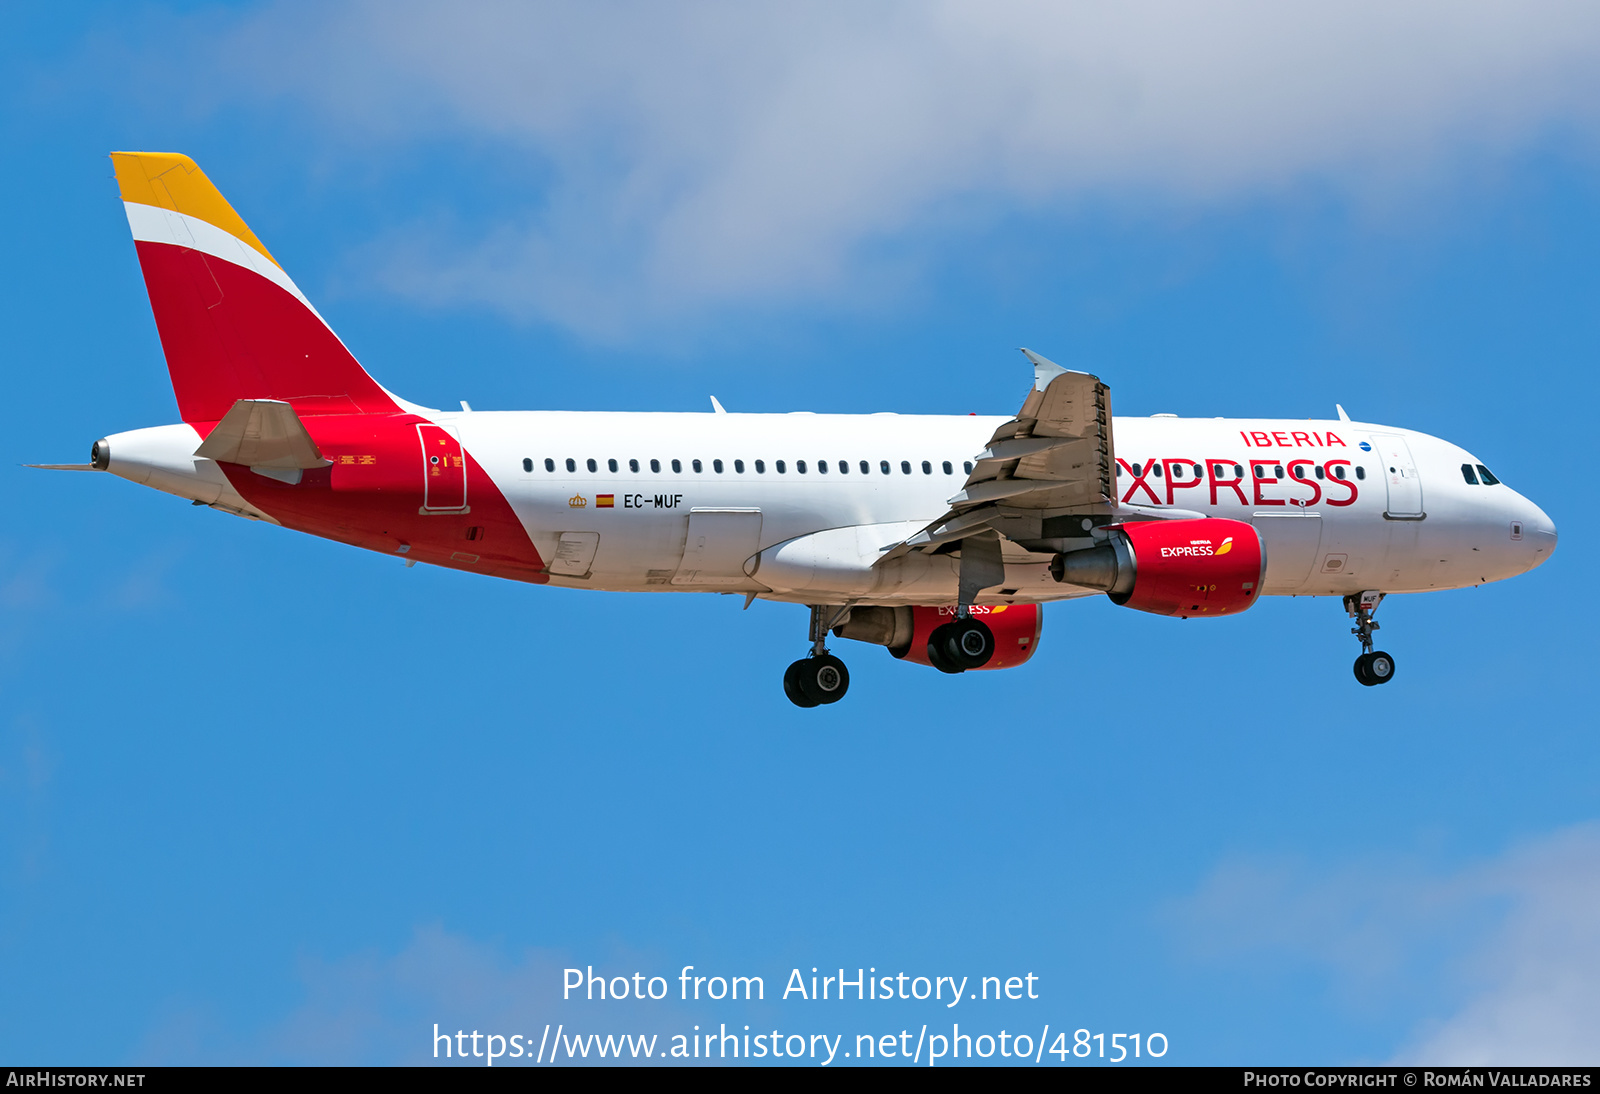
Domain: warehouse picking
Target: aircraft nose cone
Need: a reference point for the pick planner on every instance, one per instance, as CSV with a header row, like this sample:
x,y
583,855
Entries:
x,y
1538,532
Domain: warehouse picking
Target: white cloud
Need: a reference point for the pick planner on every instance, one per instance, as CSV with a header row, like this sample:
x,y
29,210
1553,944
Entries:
x,y
1535,986
687,156
373,1008
1504,953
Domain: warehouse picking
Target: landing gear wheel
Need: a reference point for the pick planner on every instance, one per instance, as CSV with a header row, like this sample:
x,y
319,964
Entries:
x,y
814,681
791,686
938,642
965,644
1374,668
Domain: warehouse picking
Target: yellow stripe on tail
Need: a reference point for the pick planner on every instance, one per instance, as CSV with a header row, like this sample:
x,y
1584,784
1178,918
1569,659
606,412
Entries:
x,y
171,181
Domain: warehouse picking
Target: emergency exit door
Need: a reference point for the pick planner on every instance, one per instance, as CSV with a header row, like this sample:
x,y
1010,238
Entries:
x,y
444,471
718,543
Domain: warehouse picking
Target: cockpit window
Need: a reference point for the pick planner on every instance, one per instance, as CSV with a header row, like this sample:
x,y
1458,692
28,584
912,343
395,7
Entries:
x,y
1466,473
1487,476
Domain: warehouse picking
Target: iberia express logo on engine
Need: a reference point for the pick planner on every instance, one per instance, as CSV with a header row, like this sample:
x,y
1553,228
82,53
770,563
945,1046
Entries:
x,y
1198,548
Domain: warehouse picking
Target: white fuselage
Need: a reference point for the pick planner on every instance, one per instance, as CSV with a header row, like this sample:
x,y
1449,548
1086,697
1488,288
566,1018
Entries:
x,y
1416,528
803,504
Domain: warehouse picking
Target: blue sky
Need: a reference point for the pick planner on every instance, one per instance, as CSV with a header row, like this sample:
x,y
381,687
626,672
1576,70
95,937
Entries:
x,y
269,799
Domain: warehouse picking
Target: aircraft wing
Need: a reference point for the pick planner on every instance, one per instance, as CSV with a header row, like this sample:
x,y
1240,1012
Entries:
x,y
1043,471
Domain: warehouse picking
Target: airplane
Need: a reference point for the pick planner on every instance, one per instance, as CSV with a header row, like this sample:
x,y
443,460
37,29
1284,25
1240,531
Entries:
x,y
938,537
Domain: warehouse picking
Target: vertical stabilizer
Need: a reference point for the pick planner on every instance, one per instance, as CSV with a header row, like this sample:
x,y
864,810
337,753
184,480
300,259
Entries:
x,y
232,323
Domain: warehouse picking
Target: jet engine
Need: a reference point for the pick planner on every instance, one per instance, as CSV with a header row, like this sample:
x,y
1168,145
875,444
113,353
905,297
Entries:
x,y
906,630
1210,566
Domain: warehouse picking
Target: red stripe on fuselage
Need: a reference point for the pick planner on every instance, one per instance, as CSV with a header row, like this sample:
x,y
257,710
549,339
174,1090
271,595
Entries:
x,y
372,495
230,334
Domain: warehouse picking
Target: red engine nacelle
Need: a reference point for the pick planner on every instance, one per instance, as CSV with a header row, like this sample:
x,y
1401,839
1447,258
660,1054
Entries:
x,y
905,630
1212,566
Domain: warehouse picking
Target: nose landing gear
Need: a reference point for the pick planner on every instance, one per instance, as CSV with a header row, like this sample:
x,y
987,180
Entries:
x,y
819,678
1373,667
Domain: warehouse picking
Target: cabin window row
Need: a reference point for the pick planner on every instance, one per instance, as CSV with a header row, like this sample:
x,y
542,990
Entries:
x,y
1262,471
781,467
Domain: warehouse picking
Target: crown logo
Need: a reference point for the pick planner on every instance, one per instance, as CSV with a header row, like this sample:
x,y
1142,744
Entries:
x,y
577,501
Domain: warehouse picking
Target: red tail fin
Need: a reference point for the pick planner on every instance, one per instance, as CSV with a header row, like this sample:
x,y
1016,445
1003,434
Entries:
x,y
232,323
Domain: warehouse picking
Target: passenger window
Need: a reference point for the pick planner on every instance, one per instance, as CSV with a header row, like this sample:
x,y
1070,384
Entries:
x,y
905,467
1136,470
591,465
844,467
967,467
611,465
761,467
1156,467
696,465
927,468
1238,472
1338,472
822,467
866,468
948,470
655,466
1198,472
883,465
800,467
1261,472
527,465
778,465
572,464
716,465
677,467
1361,472
1320,472
1278,471
633,465
738,467
1487,476
549,464
1466,473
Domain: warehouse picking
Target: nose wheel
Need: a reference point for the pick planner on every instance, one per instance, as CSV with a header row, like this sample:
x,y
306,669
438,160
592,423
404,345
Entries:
x,y
1373,667
820,678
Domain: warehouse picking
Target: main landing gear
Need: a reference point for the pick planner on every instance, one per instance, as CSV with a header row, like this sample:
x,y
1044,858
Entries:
x,y
819,678
1373,667
963,643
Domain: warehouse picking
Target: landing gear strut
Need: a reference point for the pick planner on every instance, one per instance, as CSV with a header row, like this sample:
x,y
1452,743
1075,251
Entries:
x,y
964,642
1373,667
819,678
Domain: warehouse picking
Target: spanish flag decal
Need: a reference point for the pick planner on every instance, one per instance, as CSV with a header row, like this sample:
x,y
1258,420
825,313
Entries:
x,y
605,501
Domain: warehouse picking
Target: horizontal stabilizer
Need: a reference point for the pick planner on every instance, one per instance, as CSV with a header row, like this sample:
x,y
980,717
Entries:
x,y
262,433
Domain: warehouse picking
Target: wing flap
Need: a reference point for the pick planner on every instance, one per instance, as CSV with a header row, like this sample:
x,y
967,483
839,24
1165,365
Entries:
x,y
1055,458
